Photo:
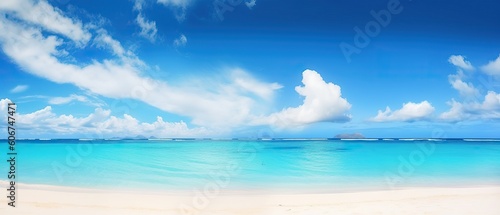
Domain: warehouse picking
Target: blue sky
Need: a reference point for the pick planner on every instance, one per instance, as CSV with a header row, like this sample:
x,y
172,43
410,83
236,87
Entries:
x,y
214,68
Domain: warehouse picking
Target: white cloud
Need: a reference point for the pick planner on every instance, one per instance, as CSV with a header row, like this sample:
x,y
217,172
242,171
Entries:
x,y
37,55
234,101
148,28
42,14
244,81
88,99
492,68
181,41
19,89
471,108
3,106
227,103
408,113
103,40
101,122
466,90
178,3
138,4
179,7
66,100
489,109
455,113
250,4
323,102
491,102
459,61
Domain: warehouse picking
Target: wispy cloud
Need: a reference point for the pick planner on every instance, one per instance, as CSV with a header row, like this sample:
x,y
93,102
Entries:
x,y
181,41
250,4
87,99
66,100
105,41
248,83
138,5
41,13
148,28
178,6
19,89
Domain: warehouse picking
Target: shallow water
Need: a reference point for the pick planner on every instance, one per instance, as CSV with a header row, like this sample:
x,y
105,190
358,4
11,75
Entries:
x,y
239,164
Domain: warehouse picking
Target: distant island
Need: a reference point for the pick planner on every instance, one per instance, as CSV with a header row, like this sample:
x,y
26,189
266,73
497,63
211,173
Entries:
x,y
350,136
138,137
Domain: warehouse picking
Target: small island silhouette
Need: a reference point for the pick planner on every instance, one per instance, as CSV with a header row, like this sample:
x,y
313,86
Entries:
x,y
350,136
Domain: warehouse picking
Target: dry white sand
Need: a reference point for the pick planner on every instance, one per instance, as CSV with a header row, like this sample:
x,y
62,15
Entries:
x,y
56,200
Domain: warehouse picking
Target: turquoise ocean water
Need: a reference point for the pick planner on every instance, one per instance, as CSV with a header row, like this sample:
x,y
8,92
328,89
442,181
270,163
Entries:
x,y
158,165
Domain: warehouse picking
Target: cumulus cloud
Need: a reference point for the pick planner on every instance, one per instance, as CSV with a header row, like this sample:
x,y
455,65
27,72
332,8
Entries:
x,y
491,102
459,61
408,113
3,105
473,104
250,4
19,89
100,122
489,109
455,113
323,102
471,108
181,41
179,7
492,68
465,89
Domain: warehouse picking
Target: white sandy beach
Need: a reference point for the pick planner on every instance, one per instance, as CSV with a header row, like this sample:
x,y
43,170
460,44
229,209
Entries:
x,y
52,200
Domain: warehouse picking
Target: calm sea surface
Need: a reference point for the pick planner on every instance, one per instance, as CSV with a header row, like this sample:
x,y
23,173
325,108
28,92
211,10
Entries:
x,y
239,164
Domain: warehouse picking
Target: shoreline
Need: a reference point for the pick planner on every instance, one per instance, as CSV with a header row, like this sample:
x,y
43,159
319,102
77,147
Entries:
x,y
252,190
40,199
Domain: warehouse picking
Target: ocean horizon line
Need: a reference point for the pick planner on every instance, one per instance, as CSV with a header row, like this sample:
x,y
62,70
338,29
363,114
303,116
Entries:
x,y
259,139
